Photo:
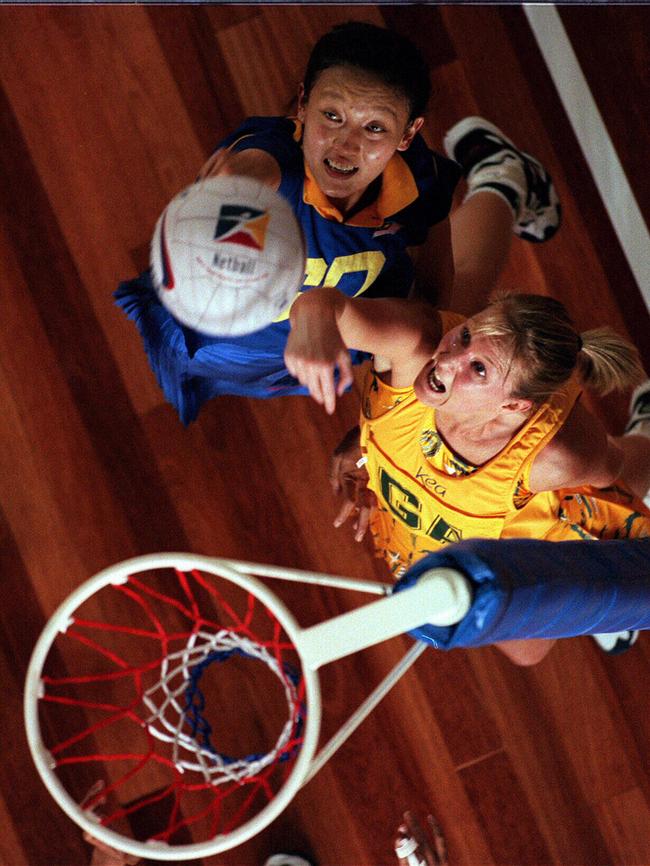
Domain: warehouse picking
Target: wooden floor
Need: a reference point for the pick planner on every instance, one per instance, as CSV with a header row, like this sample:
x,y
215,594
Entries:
x,y
105,113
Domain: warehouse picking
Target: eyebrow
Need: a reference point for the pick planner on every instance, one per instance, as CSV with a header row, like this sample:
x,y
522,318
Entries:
x,y
504,367
331,93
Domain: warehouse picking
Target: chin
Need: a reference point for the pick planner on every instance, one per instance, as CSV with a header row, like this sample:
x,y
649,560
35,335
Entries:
x,y
340,188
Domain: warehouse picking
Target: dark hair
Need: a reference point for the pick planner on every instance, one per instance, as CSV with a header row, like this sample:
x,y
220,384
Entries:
x,y
548,349
390,57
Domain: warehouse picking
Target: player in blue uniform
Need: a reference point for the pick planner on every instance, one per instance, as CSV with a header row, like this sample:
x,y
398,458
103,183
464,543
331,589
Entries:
x,y
375,191
365,188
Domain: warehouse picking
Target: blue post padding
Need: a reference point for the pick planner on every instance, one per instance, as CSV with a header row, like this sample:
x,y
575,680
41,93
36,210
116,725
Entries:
x,y
542,589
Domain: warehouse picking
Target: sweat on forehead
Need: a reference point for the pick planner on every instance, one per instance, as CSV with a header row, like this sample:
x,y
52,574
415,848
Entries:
x,y
361,91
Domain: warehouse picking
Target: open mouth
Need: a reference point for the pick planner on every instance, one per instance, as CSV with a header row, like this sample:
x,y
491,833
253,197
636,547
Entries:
x,y
340,170
434,382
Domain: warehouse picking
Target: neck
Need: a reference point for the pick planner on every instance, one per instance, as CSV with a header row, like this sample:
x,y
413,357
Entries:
x,y
479,428
477,440
353,204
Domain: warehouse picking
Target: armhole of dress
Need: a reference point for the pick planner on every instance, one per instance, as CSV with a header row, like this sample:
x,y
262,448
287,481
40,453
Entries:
x,y
526,466
524,476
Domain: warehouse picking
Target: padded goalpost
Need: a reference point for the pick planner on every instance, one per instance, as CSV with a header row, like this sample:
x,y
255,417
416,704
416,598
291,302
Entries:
x,y
542,589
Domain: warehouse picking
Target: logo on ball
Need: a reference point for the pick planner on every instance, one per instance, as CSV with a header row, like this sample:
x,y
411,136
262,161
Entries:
x,y
242,224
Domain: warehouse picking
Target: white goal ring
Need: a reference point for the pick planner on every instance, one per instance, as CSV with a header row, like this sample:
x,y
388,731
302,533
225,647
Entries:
x,y
442,596
59,622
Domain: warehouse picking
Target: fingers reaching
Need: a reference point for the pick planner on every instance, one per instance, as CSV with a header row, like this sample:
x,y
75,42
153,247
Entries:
x,y
317,356
320,379
349,477
362,518
363,521
328,390
345,511
359,503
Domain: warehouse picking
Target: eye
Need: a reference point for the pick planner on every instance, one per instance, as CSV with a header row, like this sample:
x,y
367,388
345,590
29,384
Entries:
x,y
479,368
331,115
375,128
465,337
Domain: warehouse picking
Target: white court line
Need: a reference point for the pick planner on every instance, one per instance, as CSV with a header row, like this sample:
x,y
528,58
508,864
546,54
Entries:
x,y
587,122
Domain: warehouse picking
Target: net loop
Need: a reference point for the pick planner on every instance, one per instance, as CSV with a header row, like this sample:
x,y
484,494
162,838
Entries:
x,y
177,704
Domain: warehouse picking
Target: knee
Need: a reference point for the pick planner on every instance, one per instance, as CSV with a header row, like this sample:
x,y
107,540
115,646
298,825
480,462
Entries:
x,y
526,653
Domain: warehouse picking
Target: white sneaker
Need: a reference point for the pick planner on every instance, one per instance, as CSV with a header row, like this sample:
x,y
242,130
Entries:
x,y
639,420
616,642
490,160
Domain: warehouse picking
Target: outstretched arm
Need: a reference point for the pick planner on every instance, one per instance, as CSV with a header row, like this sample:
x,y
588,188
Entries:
x,y
326,323
254,163
434,267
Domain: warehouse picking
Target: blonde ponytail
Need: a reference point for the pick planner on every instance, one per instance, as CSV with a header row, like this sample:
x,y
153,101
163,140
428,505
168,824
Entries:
x,y
607,362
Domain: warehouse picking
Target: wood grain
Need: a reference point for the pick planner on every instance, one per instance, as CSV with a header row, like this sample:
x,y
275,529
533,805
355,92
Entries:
x,y
105,113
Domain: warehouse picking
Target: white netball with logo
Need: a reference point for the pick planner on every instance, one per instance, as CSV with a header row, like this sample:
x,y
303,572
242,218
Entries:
x,y
227,256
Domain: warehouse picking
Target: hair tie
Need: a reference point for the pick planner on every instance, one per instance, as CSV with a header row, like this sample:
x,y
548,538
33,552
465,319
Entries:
x,y
580,343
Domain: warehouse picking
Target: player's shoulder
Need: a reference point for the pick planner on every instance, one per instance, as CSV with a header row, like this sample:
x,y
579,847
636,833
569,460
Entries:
x,y
286,127
578,453
427,164
435,177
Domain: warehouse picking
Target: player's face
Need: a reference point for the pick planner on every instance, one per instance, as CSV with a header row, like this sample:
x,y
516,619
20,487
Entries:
x,y
469,376
353,124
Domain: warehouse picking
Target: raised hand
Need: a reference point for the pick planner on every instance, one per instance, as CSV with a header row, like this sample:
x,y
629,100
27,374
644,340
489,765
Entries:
x,y
315,348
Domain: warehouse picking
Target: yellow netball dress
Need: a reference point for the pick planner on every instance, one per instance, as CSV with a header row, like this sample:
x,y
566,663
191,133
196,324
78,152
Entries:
x,y
428,496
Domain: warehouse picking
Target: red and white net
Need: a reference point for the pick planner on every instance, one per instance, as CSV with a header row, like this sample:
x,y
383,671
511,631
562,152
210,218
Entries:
x,y
184,695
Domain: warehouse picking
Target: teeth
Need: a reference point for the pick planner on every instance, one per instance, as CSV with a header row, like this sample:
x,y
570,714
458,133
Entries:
x,y
435,383
346,169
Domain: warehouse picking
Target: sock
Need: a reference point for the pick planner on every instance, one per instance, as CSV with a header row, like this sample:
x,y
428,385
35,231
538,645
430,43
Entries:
x,y
503,173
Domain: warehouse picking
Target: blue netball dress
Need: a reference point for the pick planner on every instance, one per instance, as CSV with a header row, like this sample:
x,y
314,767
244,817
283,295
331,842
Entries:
x,y
365,254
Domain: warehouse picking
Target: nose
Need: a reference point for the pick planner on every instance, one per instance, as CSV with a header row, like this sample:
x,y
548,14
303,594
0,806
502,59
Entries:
x,y
349,140
449,358
455,348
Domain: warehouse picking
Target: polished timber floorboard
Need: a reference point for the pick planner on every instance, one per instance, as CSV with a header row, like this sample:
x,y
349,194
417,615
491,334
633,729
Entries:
x,y
105,113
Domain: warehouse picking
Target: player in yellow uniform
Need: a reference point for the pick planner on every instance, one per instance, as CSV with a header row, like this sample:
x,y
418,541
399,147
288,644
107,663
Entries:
x,y
475,428
429,494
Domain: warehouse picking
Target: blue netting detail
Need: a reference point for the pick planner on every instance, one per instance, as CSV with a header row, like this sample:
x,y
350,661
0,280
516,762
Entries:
x,y
200,728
